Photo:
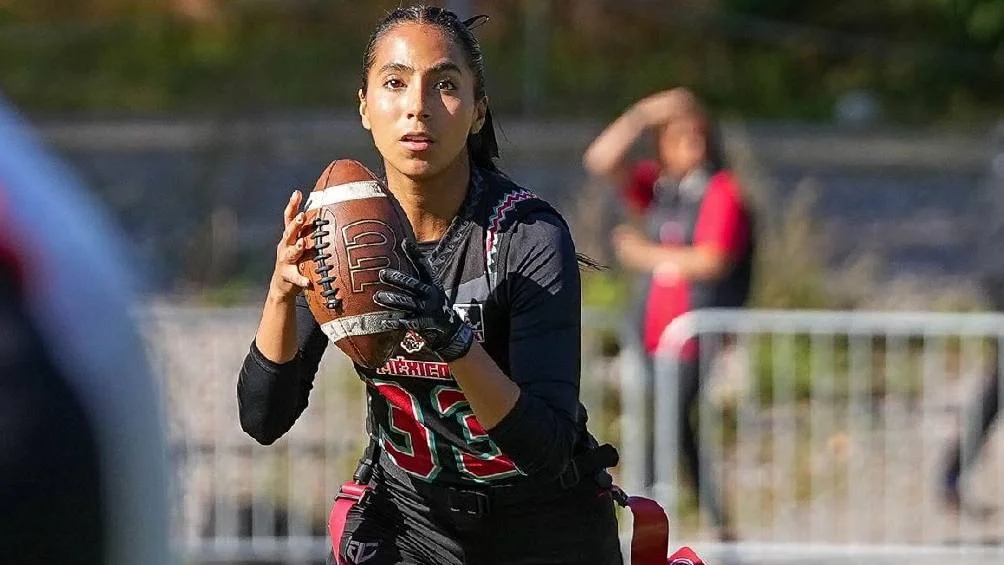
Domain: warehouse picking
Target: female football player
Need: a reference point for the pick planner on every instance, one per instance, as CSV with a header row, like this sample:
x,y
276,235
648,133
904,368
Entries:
x,y
478,440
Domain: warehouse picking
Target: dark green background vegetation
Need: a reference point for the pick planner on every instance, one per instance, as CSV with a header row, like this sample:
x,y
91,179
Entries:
x,y
925,60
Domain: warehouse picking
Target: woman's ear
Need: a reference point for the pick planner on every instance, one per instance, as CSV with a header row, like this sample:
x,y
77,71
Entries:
x,y
480,111
362,110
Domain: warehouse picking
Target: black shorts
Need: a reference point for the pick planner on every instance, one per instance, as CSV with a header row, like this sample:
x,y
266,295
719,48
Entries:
x,y
395,524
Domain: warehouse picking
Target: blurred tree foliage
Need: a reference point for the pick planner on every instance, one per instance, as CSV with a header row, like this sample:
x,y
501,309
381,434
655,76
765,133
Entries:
x,y
922,59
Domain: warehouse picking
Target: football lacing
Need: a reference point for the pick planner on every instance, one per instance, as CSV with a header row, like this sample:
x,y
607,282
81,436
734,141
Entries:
x,y
323,268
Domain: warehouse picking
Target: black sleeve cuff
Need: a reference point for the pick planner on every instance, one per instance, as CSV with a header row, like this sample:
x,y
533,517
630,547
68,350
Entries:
x,y
510,422
535,437
269,366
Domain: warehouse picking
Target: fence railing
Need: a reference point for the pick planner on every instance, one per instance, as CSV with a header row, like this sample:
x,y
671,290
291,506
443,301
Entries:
x,y
822,433
238,501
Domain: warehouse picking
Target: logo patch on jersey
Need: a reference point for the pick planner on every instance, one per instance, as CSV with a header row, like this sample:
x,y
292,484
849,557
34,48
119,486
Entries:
x,y
412,342
473,314
360,552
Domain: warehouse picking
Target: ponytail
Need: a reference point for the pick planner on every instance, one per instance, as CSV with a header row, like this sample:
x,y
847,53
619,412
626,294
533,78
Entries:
x,y
482,146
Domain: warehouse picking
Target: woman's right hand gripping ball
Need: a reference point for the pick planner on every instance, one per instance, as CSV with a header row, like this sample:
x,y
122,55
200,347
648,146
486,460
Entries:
x,y
287,281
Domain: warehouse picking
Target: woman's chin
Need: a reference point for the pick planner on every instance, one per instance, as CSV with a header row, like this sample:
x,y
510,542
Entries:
x,y
417,167
426,165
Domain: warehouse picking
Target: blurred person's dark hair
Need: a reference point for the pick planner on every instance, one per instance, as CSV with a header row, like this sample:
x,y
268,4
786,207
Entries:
x,y
716,158
50,488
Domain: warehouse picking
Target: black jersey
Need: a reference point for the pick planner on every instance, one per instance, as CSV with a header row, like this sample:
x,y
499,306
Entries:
x,y
509,266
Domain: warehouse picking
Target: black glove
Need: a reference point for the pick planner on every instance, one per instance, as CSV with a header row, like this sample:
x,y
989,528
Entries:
x,y
426,308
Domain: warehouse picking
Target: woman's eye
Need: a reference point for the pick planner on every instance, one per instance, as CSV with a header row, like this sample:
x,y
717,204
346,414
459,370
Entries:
x,y
446,84
393,83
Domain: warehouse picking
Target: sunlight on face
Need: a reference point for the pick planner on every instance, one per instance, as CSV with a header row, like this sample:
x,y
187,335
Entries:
x,y
419,102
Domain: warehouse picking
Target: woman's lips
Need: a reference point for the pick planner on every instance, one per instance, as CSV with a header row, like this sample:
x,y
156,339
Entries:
x,y
416,142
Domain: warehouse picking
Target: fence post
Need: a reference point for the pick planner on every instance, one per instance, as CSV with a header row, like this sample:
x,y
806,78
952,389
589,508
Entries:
x,y
633,425
665,404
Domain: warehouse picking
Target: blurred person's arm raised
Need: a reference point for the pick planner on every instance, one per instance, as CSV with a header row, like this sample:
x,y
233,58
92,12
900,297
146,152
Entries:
x,y
607,154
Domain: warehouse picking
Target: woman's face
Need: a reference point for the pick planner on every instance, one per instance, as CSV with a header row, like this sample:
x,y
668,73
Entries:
x,y
682,145
419,100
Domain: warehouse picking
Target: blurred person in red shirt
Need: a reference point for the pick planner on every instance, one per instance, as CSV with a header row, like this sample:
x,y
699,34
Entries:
x,y
692,238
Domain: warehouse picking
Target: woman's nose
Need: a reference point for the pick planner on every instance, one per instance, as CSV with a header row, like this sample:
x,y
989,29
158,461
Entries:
x,y
417,101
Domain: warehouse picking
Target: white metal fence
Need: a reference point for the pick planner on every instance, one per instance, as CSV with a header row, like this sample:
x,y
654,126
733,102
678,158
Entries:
x,y
239,501
825,433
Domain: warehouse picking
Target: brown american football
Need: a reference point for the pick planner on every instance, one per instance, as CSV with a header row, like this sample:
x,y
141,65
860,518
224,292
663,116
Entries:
x,y
355,229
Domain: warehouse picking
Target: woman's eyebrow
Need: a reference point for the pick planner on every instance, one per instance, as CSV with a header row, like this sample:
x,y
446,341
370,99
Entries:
x,y
445,66
396,68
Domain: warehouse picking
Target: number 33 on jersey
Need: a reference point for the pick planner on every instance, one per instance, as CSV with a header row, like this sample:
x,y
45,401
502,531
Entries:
x,y
424,422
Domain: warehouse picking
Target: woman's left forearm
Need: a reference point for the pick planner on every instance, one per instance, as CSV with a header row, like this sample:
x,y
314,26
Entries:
x,y
491,393
538,439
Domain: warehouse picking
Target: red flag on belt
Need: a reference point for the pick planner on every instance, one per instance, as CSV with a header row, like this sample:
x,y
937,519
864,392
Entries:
x,y
684,556
650,538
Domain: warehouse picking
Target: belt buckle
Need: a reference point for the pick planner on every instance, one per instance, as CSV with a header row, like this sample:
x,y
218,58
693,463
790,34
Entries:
x,y
357,492
471,502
